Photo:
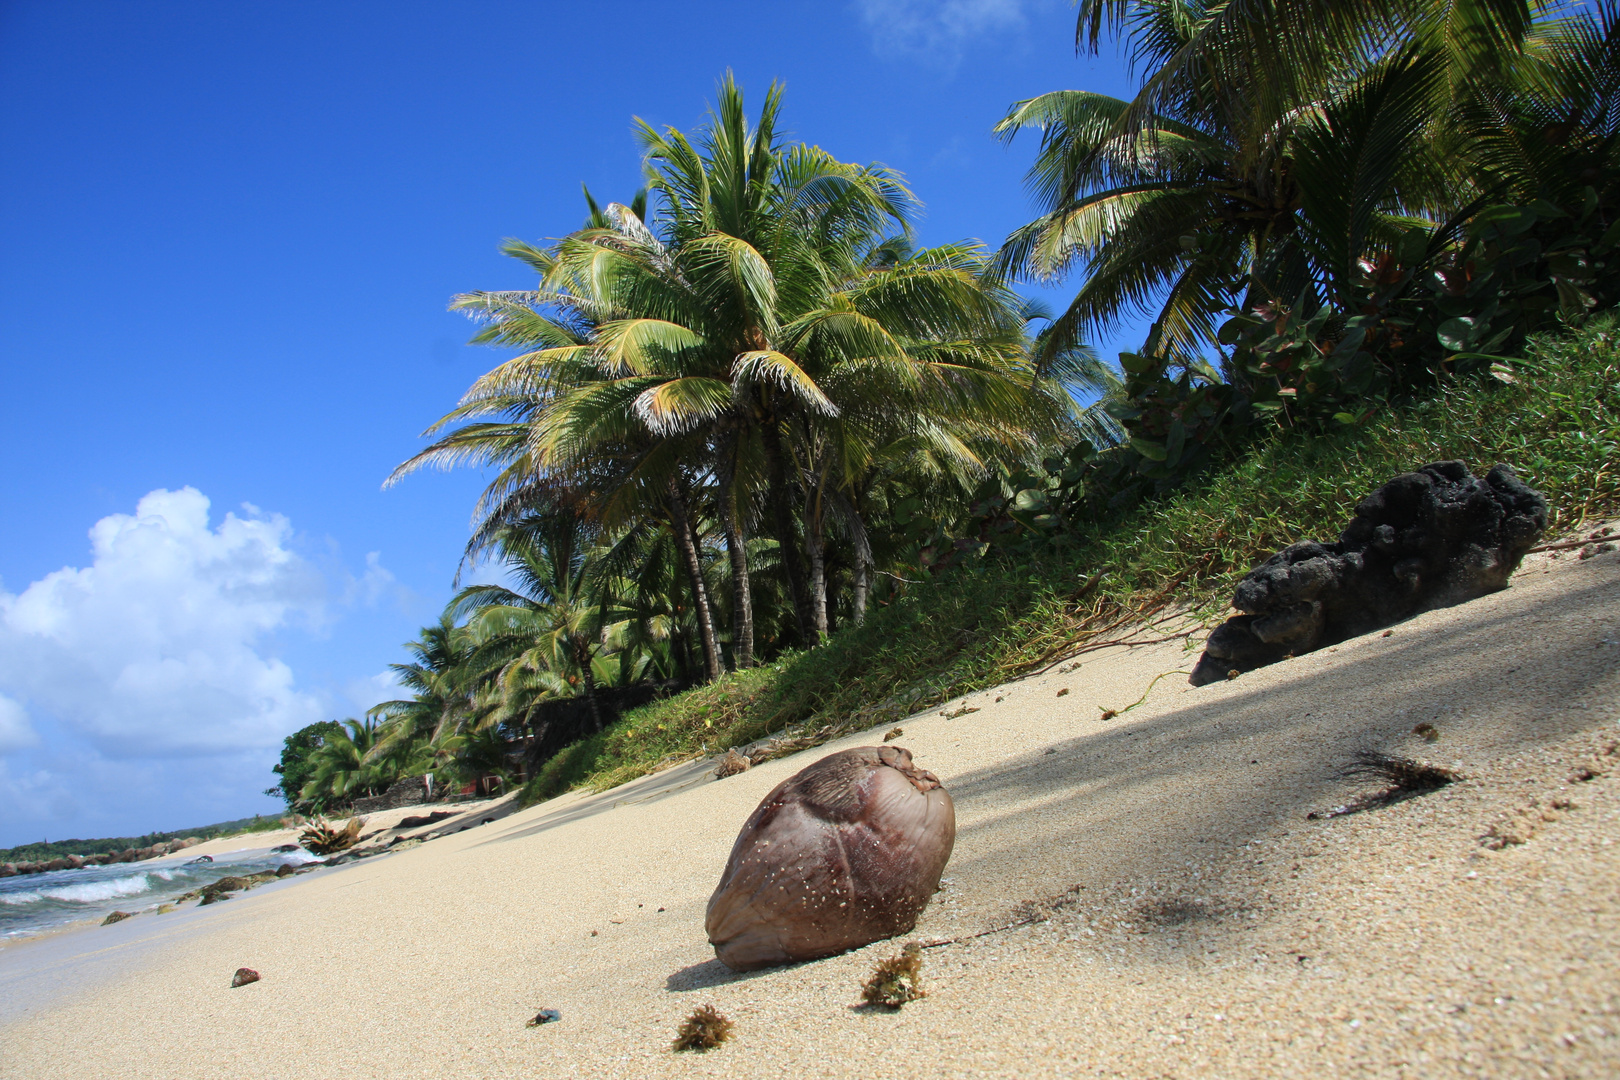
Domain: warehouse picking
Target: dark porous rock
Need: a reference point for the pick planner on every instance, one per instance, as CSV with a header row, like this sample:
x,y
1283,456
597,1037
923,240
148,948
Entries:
x,y
284,849
216,891
843,853
116,916
285,870
416,821
1428,539
244,976
201,859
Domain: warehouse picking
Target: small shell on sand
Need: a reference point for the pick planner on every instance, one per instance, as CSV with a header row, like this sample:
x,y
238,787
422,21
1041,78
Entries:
x,y
244,976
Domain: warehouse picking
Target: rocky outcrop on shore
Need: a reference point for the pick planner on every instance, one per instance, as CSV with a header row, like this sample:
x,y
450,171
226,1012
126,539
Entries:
x,y
75,862
1428,539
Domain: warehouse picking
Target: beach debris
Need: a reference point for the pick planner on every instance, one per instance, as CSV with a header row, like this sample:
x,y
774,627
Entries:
x,y
116,916
893,734
730,764
705,1029
244,976
1403,778
323,838
843,853
201,859
1427,539
896,981
1063,692
1427,732
544,1016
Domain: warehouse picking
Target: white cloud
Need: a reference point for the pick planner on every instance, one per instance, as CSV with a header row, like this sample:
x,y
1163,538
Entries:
x,y
939,30
381,687
158,648
15,730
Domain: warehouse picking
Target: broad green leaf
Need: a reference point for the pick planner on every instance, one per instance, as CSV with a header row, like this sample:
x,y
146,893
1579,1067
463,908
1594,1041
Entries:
x,y
1153,451
1456,333
1173,445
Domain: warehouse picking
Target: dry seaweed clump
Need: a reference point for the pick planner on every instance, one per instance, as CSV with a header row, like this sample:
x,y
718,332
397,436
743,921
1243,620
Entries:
x,y
730,764
1403,775
705,1029
322,839
1403,779
897,980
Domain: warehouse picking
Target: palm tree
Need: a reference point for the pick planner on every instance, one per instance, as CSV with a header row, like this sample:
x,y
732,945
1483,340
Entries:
x,y
441,700
762,342
542,637
1549,126
344,767
1271,146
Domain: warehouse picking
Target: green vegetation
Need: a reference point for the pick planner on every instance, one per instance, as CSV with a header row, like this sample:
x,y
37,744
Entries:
x,y
53,849
1559,426
296,769
754,443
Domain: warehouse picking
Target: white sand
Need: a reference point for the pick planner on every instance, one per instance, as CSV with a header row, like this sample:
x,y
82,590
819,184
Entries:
x,y
1199,925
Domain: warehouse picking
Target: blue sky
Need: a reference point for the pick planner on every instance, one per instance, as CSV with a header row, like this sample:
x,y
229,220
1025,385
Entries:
x,y
228,234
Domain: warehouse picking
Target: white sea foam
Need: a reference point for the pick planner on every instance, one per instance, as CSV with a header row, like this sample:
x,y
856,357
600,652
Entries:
x,y
86,892
298,858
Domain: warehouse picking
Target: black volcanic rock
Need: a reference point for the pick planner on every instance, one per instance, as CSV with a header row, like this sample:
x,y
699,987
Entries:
x,y
1427,539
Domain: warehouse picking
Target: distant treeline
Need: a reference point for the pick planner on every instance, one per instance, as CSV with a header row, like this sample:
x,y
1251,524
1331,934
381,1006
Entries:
x,y
52,849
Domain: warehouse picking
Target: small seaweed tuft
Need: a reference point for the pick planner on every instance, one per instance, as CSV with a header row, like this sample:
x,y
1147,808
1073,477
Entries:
x,y
1402,775
897,980
705,1029
730,764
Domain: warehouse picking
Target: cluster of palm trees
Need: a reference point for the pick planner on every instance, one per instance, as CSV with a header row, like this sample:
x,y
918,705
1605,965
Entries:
x,y
735,397
1288,148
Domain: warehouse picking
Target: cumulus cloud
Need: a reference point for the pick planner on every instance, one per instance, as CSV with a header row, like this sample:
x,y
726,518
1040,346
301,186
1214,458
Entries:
x,y
161,646
939,30
15,730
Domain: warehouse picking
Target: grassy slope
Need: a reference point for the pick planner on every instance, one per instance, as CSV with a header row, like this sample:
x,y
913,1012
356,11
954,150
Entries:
x,y
1559,427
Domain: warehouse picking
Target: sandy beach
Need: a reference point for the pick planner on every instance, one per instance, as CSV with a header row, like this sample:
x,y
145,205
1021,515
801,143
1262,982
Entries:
x,y
1174,912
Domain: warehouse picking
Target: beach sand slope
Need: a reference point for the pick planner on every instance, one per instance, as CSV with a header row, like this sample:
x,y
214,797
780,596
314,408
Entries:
x,y
1174,910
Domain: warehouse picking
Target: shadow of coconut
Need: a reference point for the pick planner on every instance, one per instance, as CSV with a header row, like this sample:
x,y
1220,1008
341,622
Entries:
x,y
713,973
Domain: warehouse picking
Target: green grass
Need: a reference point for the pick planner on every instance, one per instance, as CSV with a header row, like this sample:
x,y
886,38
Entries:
x,y
1558,426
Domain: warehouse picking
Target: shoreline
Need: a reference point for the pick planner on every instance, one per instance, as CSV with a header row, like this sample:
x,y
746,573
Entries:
x,y
1160,866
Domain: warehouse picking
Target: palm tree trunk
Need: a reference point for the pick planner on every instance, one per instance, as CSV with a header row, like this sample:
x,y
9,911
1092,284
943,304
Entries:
x,y
742,603
694,569
590,694
858,592
815,548
782,519
861,543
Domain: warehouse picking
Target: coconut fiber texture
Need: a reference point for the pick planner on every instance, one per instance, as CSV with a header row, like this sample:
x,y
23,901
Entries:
x,y
1427,539
841,854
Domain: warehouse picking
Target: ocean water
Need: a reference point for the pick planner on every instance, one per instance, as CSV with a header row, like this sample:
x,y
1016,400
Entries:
x,y
34,903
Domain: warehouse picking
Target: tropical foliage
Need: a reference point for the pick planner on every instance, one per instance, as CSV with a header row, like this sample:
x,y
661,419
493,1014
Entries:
x,y
746,406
